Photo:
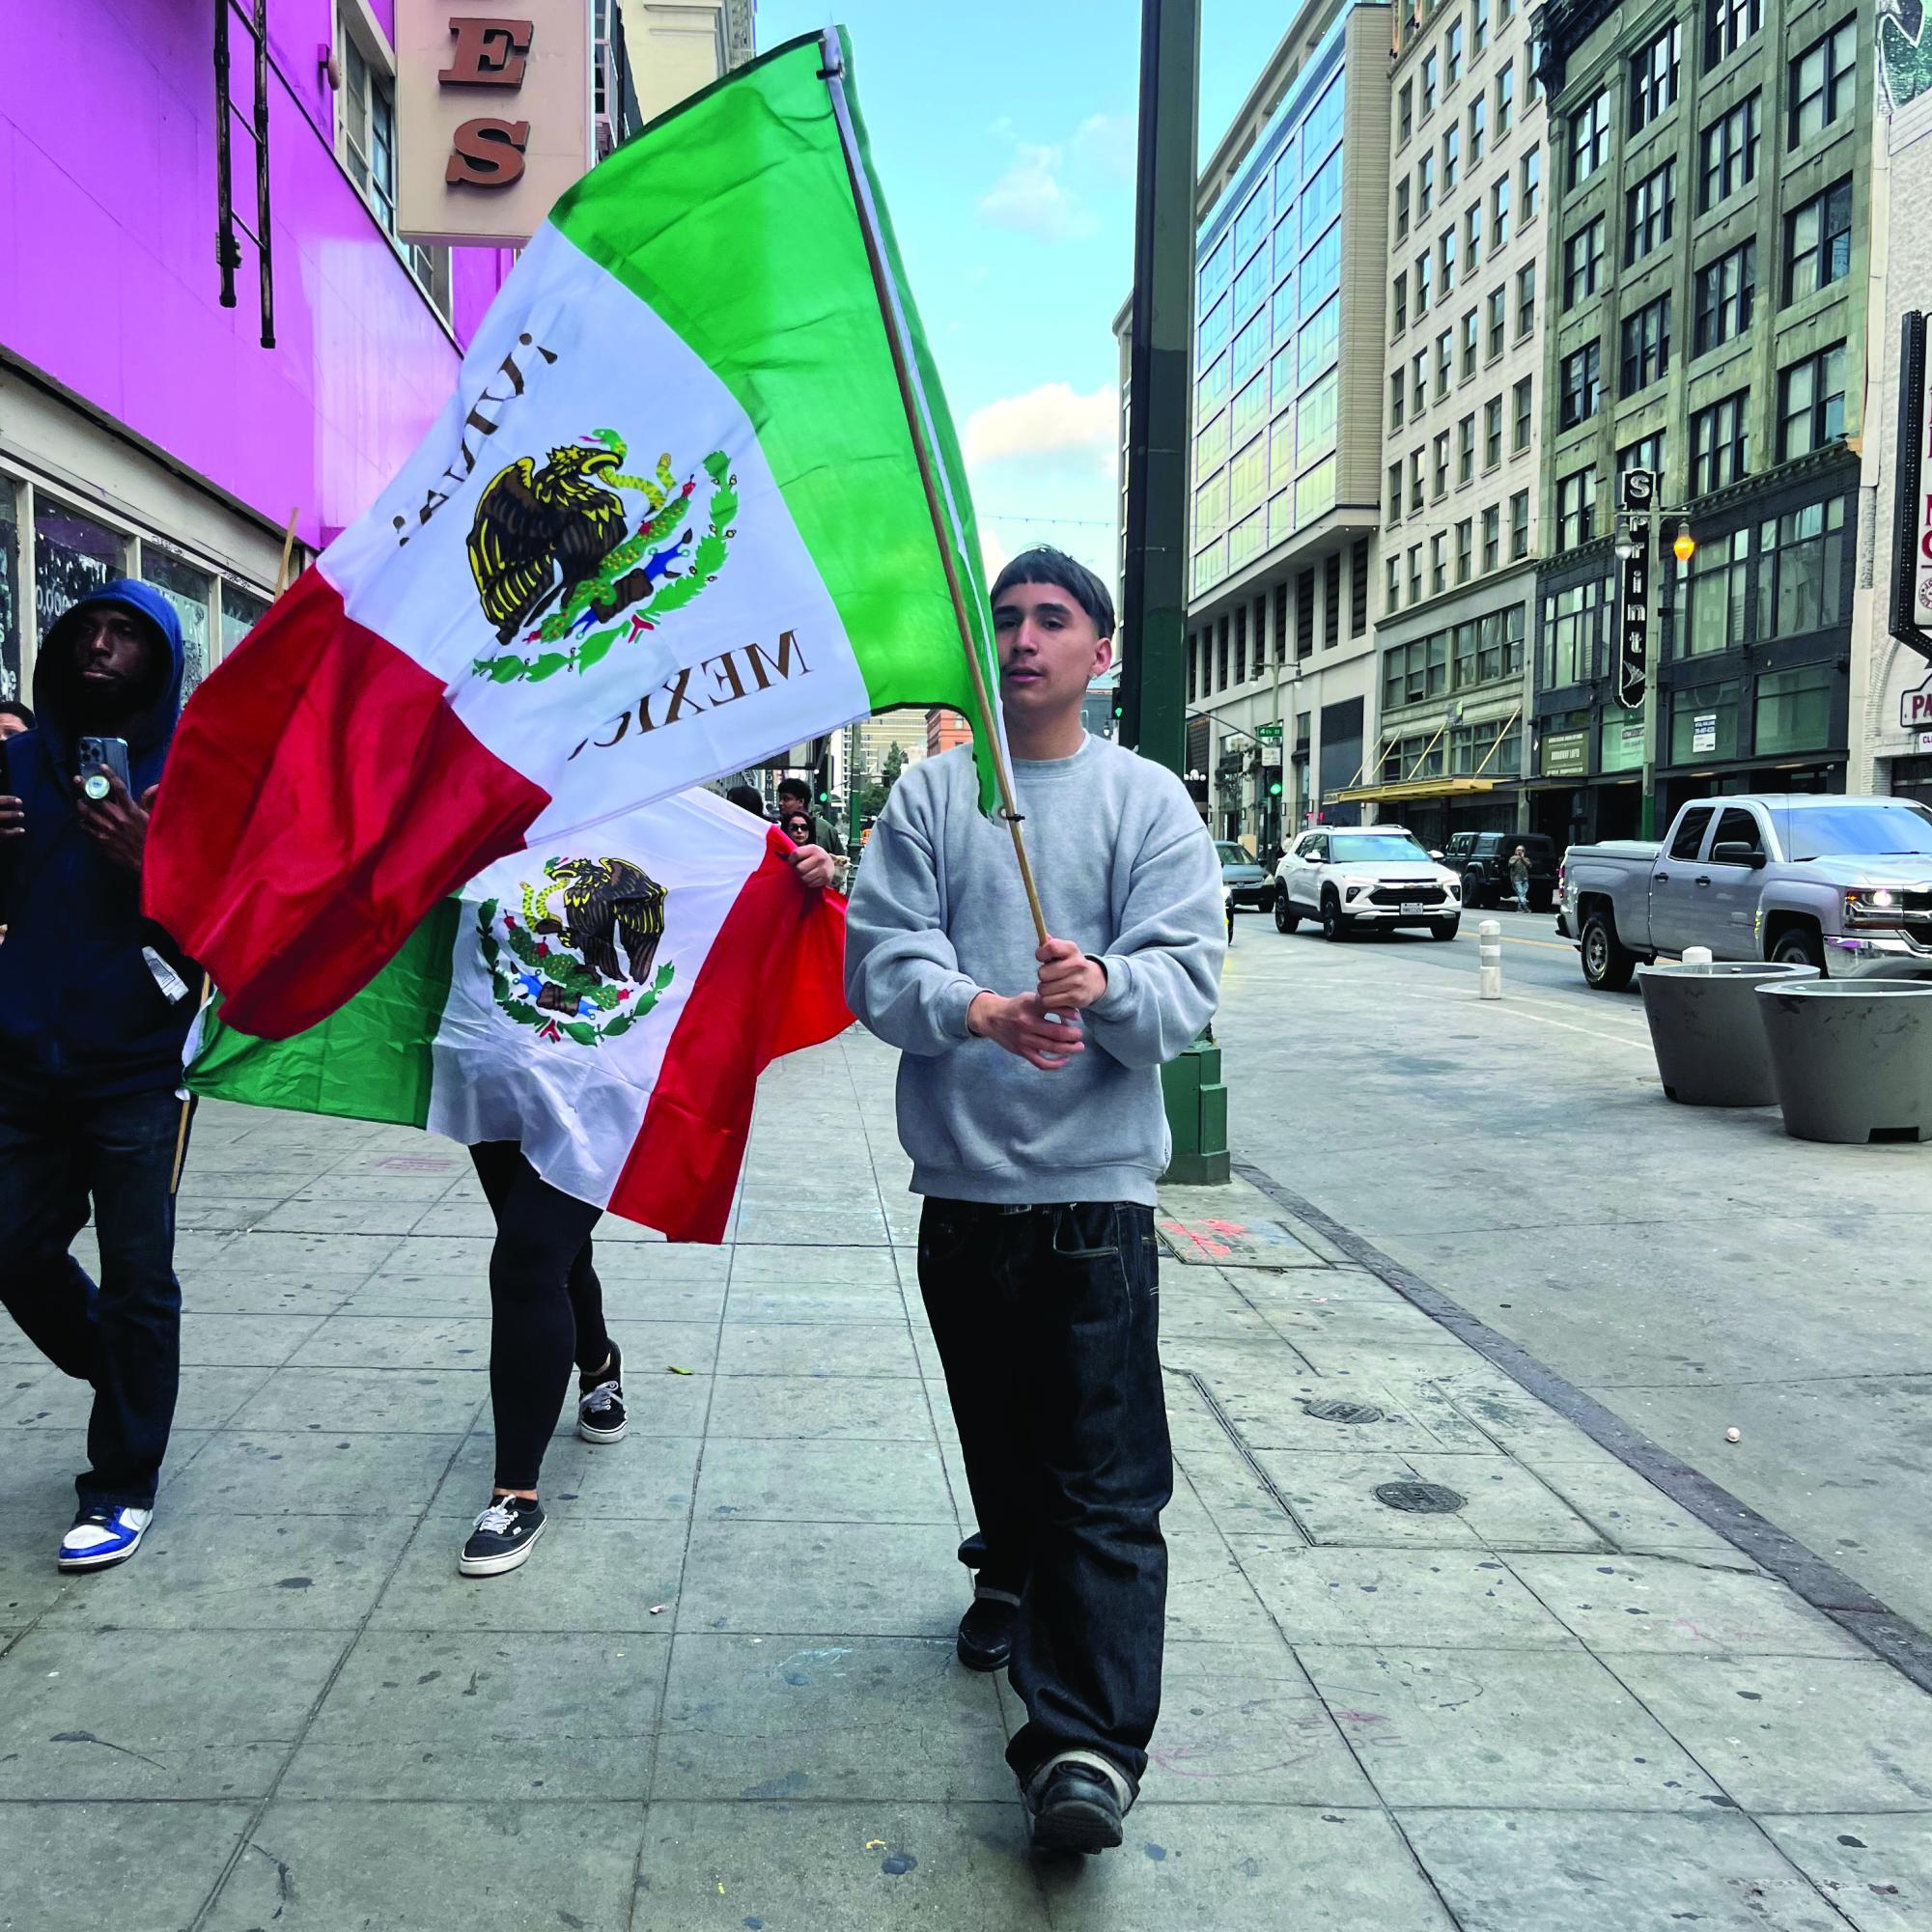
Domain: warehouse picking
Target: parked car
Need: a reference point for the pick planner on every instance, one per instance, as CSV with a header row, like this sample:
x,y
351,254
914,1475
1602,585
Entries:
x,y
1481,860
1246,879
1351,878
1842,884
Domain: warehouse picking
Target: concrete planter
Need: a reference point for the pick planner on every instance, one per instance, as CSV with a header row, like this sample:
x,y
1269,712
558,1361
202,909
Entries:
x,y
1852,1057
1706,1029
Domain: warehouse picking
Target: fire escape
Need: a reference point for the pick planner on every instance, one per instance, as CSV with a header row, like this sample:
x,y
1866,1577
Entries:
x,y
252,18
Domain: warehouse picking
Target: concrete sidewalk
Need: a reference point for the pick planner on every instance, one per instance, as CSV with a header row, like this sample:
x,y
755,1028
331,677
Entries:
x,y
1561,1702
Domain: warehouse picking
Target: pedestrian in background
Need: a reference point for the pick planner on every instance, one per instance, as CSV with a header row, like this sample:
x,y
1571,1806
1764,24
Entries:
x,y
746,800
94,1003
1518,878
795,795
1029,1100
14,718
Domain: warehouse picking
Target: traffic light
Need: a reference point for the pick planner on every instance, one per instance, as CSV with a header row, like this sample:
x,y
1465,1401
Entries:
x,y
1274,790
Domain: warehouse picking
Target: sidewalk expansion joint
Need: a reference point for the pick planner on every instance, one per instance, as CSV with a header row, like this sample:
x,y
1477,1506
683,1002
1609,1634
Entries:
x,y
1213,1407
1821,1584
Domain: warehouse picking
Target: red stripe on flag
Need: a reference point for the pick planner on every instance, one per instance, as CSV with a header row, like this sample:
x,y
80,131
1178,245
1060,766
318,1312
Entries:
x,y
772,982
319,797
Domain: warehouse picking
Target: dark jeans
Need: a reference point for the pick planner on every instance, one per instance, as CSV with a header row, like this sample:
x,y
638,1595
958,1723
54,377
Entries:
x,y
545,1306
1047,1322
124,1337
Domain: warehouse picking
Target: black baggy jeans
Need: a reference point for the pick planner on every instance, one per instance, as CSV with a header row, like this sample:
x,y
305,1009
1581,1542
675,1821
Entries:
x,y
1047,1320
124,1337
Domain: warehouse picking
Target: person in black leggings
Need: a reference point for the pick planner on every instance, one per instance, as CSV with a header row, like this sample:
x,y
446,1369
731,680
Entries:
x,y
547,1310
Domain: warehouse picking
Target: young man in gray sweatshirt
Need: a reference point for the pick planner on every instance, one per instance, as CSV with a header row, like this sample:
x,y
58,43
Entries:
x,y
1029,1100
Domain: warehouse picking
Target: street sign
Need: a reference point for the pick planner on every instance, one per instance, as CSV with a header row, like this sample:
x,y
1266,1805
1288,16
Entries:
x,y
1269,732
1632,666
1636,492
1704,732
1915,707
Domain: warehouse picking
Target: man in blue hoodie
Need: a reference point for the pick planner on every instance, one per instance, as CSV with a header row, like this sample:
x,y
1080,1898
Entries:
x,y
94,1003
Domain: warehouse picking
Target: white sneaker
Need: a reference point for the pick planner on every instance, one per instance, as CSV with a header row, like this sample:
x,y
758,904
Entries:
x,y
103,1537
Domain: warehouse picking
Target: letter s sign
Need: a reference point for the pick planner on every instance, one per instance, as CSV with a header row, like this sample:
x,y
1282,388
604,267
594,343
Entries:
x,y
487,153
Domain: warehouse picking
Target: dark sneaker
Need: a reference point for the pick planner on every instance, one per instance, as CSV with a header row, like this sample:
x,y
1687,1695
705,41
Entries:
x,y
601,1417
505,1535
986,1632
1075,1808
101,1538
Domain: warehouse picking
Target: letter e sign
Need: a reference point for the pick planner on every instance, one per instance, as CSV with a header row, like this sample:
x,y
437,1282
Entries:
x,y
488,53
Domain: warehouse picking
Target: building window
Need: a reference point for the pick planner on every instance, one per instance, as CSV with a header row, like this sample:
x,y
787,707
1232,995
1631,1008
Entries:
x,y
1395,492
1646,347
1452,159
1439,563
1441,467
1472,234
1393,594
1729,146
1491,538
1419,398
1446,354
1588,144
1824,81
1576,509
1818,242
1574,621
1465,450
1414,572
1357,590
1416,479
1498,305
1519,525
1703,723
1448,247
1803,578
1793,710
1727,25
1581,385
1468,344
1526,299
1480,23
1498,213
1506,101
1714,602
1401,210
1465,547
1583,262
1430,71
1811,402
1646,453
1726,291
1521,393
1649,209
1425,273
1532,183
1719,449
1395,389
1400,302
1653,76
1406,109
1425,184
1478,128
1491,433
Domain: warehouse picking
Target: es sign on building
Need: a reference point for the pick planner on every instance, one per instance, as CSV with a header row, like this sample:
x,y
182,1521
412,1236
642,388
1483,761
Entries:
x,y
493,116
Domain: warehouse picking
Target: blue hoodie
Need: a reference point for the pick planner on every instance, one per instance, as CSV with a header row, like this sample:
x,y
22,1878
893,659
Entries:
x,y
81,1016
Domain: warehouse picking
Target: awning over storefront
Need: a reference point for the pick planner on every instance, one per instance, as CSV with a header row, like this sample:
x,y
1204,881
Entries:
x,y
1400,789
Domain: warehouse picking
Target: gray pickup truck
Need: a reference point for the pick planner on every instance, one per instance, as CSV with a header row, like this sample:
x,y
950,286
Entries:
x,y
1842,883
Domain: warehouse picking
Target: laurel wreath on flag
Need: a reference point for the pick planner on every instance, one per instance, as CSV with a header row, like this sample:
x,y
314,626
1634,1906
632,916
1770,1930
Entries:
x,y
617,1010
672,593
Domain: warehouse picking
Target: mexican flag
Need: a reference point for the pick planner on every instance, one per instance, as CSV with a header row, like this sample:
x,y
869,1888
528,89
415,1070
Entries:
x,y
609,1001
673,523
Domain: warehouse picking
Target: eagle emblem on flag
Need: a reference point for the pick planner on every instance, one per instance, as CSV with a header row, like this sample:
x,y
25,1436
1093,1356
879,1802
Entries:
x,y
560,971
563,564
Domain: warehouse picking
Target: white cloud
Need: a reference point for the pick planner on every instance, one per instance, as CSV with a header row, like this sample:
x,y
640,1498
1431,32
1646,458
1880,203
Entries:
x,y
1052,430
1103,145
1032,198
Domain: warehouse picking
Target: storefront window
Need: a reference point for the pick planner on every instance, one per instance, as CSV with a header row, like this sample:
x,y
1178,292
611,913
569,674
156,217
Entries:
x,y
1714,609
1620,740
190,592
73,557
1704,723
10,591
1794,709
1801,571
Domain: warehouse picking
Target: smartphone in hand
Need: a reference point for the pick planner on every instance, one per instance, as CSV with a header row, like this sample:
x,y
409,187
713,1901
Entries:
x,y
99,756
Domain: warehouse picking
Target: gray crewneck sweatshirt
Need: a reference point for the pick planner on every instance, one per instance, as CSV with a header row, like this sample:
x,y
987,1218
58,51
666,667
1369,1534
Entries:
x,y
1127,871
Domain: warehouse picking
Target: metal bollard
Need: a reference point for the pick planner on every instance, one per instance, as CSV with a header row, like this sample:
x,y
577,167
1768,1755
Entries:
x,y
1696,956
1489,959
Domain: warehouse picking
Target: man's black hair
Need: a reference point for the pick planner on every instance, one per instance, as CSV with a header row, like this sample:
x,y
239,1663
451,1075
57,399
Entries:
x,y
1043,564
795,788
746,800
13,708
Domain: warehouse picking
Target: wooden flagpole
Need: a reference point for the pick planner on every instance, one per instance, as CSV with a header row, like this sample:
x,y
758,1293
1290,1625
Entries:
x,y
208,985
912,400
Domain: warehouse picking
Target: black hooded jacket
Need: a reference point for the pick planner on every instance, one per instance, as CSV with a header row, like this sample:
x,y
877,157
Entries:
x,y
81,1015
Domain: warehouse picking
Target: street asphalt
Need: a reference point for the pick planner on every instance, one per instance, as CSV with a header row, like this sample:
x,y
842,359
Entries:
x,y
723,1697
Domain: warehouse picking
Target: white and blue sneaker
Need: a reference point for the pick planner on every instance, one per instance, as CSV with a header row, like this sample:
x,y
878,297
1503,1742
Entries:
x,y
102,1537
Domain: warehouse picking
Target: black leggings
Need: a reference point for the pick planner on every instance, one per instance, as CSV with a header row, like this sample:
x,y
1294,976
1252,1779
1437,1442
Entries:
x,y
545,1303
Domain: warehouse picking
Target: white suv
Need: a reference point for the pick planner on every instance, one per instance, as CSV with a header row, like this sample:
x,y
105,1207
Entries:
x,y
1350,878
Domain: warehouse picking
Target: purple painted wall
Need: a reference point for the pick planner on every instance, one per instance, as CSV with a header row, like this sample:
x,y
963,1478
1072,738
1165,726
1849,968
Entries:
x,y
107,270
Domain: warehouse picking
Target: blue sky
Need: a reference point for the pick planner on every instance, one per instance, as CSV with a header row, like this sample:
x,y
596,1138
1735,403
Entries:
x,y
1003,134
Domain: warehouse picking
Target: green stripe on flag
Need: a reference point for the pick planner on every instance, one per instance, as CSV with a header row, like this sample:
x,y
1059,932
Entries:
x,y
733,217
370,1060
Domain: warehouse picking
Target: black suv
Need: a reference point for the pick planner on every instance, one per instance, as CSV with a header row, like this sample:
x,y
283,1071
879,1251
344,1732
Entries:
x,y
1482,859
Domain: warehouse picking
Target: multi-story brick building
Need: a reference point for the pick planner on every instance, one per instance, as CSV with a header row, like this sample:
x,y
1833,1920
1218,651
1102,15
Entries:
x,y
1709,186
1462,415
